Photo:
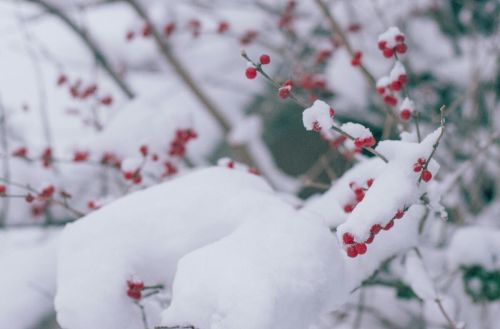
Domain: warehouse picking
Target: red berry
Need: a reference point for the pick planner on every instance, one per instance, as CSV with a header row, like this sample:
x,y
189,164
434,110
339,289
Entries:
x,y
369,141
223,27
265,59
130,35
168,29
390,100
134,294
332,112
400,38
399,214
348,208
402,79
401,48
80,156
254,171
381,90
20,152
62,79
421,161
107,100
144,150
375,229
417,167
29,198
284,92
47,192
316,126
146,30
369,182
389,225
347,238
426,175
382,44
3,189
388,52
405,114
251,73
370,239
395,86
352,252
360,248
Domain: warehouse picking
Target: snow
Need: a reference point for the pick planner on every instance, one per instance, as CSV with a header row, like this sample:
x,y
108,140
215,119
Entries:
x,y
407,104
28,263
418,277
276,271
318,113
146,233
475,246
356,130
389,36
395,188
397,71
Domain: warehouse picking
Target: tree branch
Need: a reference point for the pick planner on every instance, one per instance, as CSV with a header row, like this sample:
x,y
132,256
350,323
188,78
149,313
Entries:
x,y
96,51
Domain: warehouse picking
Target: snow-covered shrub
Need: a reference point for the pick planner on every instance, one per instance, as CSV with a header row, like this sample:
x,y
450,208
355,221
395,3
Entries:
x,y
343,174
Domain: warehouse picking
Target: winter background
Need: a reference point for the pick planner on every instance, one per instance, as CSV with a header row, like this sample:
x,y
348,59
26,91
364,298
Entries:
x,y
153,175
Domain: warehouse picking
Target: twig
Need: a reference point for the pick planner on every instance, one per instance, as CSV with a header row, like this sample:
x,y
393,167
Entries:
x,y
442,110
6,163
240,151
96,51
293,97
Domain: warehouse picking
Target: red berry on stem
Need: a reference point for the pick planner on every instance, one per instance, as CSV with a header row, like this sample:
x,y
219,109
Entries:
x,y
382,44
369,182
388,52
348,208
405,114
251,73
265,59
352,252
3,189
370,239
360,248
347,238
134,294
389,225
417,167
399,214
401,48
375,229
426,175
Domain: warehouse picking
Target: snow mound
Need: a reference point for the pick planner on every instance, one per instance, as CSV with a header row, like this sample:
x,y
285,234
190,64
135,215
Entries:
x,y
319,114
145,234
276,271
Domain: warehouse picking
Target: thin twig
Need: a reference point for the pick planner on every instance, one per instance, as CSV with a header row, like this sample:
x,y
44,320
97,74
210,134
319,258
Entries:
x,y
293,97
93,47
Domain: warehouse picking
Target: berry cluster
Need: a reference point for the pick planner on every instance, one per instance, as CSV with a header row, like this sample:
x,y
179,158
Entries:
x,y
251,71
134,288
391,42
359,194
364,142
178,145
355,248
419,166
387,86
82,92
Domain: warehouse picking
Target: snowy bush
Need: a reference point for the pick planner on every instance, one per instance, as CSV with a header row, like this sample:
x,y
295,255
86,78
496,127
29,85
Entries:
x,y
251,164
